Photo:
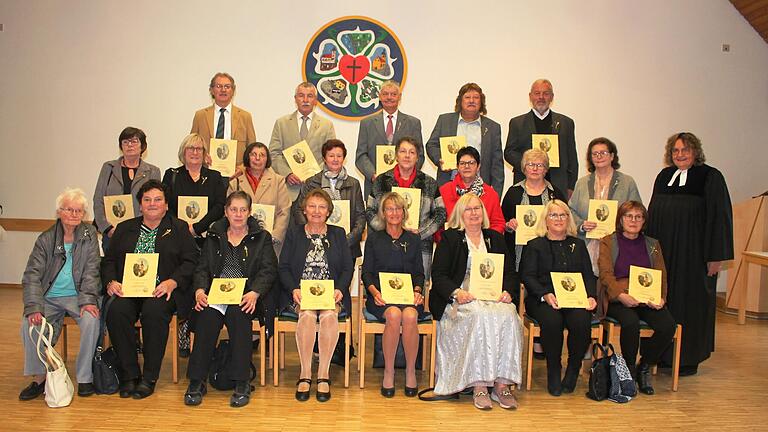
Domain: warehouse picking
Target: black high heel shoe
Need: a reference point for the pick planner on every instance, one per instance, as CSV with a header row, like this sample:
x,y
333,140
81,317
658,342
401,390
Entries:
x,y
323,396
303,396
410,391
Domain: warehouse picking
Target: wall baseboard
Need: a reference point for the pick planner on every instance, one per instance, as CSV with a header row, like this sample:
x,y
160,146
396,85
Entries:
x,y
10,286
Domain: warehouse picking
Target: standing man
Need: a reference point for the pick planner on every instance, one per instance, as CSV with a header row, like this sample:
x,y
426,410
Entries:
x,y
542,120
302,124
481,132
385,128
222,119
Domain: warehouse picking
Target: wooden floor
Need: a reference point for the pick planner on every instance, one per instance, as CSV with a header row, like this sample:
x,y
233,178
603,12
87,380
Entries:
x,y
728,393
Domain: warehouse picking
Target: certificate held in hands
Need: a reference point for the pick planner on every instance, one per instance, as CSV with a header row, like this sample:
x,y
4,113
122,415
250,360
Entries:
x,y
527,218
140,274
265,215
570,290
340,215
385,158
449,146
603,212
412,199
226,291
301,160
223,156
317,295
118,208
550,144
192,208
486,275
396,288
645,284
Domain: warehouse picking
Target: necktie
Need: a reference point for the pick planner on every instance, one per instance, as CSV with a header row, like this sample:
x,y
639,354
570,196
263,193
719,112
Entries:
x,y
303,131
220,126
390,130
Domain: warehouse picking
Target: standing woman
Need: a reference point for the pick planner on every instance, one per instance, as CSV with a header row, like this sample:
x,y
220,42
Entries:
x,y
558,250
405,174
236,247
395,250
155,231
265,186
123,176
316,251
690,214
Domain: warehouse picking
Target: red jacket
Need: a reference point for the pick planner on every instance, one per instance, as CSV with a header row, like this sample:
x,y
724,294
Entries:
x,y
490,200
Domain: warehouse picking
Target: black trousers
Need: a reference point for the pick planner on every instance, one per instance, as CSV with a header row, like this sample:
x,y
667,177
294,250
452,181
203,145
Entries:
x,y
155,314
552,323
207,327
662,323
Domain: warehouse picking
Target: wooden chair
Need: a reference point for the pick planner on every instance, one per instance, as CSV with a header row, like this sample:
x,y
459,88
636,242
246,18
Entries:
x,y
370,325
612,327
173,335
532,326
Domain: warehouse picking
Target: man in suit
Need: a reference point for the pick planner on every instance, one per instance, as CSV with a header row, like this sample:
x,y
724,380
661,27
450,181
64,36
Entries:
x,y
385,128
542,120
481,132
302,124
222,119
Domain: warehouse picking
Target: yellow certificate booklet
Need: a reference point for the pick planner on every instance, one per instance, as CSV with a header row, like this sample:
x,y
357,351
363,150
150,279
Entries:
x,y
449,146
527,218
301,160
118,208
340,215
317,295
227,291
223,156
569,290
140,274
550,143
486,275
385,158
412,199
265,214
645,284
192,208
396,288
604,213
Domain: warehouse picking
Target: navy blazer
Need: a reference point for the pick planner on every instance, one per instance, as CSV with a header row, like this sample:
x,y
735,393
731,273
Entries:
x,y
293,257
377,259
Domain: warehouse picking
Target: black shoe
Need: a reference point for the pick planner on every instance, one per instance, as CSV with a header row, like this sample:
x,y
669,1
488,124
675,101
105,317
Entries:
x,y
255,344
643,379
195,392
143,389
410,391
127,388
242,394
85,389
688,370
303,396
568,384
554,386
32,391
184,352
323,396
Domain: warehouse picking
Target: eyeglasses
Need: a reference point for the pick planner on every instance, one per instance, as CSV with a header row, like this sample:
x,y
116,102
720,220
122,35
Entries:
x,y
236,210
476,209
72,211
558,216
392,209
130,141
196,149
532,165
468,163
636,217
602,153
681,150
223,86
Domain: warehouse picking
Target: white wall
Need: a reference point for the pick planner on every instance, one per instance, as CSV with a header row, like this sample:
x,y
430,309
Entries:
x,y
74,73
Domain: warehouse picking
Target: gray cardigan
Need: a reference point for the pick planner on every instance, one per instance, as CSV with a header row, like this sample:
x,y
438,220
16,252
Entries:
x,y
47,259
622,189
110,182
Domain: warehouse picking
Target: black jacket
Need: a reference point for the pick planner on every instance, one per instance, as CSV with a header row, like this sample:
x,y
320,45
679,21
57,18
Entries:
x,y
538,261
450,266
209,185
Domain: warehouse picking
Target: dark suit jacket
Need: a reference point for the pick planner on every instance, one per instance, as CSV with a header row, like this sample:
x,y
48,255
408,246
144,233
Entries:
x,y
210,185
450,266
176,247
294,256
242,128
491,162
372,133
519,140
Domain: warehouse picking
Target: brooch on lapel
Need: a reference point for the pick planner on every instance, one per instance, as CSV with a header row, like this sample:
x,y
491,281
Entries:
x,y
204,179
573,247
403,245
556,127
167,231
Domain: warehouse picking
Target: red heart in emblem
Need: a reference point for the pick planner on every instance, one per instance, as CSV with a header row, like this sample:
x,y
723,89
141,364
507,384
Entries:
x,y
354,69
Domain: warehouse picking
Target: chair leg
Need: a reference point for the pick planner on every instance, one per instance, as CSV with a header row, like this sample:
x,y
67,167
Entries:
x,y
64,341
432,353
347,343
676,357
282,350
175,349
529,359
276,354
361,358
262,356
424,348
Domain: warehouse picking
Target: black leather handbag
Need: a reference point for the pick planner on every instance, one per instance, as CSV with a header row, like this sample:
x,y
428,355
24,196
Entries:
x,y
600,373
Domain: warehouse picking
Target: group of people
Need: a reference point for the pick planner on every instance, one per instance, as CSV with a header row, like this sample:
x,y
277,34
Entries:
x,y
685,233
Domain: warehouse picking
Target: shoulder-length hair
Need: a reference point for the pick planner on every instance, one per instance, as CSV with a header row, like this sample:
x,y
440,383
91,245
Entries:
x,y
611,148
541,227
467,88
689,140
456,220
189,141
396,200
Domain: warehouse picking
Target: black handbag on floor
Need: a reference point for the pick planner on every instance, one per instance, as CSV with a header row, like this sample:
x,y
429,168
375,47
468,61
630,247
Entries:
x,y
600,373
378,355
105,363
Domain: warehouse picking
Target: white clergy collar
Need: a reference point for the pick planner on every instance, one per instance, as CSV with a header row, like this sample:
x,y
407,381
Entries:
x,y
683,174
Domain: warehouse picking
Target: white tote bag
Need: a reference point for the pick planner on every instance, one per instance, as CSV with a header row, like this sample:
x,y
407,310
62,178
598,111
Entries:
x,y
58,386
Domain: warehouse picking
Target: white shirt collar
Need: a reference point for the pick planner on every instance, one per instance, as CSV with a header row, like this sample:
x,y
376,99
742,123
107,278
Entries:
x,y
386,117
683,174
541,117
228,108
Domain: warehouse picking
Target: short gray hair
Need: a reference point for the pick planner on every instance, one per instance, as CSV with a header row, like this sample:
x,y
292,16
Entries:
x,y
72,195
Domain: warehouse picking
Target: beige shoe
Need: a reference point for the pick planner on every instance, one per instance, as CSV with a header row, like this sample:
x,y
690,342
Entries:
x,y
505,400
482,401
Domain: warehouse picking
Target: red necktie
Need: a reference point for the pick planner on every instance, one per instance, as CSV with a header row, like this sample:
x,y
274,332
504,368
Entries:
x,y
390,130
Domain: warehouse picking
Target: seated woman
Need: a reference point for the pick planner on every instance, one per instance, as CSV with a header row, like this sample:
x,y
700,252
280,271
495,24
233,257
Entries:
x,y
395,250
480,343
155,231
62,278
627,247
316,251
558,250
236,247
